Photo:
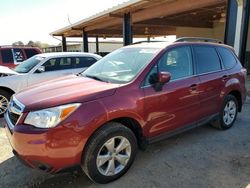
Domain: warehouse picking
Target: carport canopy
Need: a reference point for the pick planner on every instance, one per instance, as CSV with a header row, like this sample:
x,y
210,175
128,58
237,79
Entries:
x,y
148,18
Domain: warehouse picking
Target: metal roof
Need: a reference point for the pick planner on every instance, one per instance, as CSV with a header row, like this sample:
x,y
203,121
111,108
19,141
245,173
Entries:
x,y
149,17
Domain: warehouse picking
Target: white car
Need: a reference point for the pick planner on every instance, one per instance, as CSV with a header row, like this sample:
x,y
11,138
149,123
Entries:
x,y
39,68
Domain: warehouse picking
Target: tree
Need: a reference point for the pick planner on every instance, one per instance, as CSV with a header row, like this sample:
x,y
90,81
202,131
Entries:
x,y
18,43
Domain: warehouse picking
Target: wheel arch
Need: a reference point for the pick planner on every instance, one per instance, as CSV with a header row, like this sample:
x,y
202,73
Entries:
x,y
7,89
237,95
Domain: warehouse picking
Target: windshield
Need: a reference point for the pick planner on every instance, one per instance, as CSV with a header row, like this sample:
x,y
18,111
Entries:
x,y
29,64
122,65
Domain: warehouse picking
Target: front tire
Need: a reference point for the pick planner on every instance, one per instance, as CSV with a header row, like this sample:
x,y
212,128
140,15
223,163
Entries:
x,y
228,113
4,101
109,153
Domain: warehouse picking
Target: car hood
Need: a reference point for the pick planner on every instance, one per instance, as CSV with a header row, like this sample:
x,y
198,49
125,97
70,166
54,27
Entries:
x,y
7,71
69,89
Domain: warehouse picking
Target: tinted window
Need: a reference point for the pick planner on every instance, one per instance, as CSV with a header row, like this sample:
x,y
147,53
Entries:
x,y
227,57
18,55
81,62
178,62
30,52
207,59
7,56
55,64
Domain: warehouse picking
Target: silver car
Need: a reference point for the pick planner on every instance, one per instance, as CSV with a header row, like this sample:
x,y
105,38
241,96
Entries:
x,y
39,68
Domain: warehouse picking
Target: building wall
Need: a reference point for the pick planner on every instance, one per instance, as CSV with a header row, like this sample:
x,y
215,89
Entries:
x,y
104,47
216,32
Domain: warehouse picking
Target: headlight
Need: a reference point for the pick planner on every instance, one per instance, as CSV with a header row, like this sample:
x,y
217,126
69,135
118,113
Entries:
x,y
50,117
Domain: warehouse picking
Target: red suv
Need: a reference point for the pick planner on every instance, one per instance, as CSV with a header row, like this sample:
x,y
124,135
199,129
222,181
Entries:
x,y
10,56
136,95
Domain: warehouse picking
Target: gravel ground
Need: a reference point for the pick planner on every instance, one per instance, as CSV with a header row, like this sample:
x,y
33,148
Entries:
x,y
203,157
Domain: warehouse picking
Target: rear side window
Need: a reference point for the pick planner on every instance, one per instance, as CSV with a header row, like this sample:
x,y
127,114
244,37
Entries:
x,y
227,57
18,55
30,52
7,56
81,62
207,59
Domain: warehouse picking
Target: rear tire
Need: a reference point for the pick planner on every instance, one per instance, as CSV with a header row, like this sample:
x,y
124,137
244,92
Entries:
x,y
228,113
109,153
4,101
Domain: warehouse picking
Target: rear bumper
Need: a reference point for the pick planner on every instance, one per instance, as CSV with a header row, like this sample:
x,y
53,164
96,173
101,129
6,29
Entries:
x,y
47,150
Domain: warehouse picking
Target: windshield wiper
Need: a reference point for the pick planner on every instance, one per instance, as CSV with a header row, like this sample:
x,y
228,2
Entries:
x,y
95,78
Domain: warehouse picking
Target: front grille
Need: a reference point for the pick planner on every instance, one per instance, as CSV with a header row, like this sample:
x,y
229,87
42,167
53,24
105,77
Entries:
x,y
13,117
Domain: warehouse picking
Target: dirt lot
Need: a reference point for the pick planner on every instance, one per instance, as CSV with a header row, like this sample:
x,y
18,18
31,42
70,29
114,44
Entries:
x,y
203,157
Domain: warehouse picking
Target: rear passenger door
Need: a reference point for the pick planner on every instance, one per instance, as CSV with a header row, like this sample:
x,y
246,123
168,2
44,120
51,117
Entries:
x,y
54,68
212,79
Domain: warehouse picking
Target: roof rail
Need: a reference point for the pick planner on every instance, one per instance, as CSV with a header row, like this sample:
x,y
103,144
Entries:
x,y
146,41
198,39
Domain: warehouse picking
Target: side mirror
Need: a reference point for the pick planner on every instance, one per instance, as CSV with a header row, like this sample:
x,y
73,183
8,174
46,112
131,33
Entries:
x,y
163,78
40,69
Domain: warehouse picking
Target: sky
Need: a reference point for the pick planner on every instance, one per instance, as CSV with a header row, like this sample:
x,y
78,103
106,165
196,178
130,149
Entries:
x,y
25,20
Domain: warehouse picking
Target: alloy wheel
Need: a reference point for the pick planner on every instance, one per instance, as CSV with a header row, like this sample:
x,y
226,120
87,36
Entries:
x,y
230,111
3,104
113,156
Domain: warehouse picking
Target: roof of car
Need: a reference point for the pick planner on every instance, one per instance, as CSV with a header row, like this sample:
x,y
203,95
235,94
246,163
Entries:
x,y
66,54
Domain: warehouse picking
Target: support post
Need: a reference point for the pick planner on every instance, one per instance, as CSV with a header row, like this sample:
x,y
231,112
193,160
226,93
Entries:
x,y
127,29
97,45
85,41
244,35
148,38
231,20
64,44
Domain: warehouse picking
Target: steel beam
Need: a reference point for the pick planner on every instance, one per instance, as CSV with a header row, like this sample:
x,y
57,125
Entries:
x,y
85,41
127,29
64,44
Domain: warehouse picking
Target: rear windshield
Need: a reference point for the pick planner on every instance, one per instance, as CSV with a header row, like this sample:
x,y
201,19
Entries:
x,y
30,52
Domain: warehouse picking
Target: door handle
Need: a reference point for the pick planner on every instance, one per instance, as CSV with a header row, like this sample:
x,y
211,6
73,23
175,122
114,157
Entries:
x,y
193,87
225,77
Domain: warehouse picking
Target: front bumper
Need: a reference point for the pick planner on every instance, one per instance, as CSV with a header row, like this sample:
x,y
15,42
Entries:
x,y
48,150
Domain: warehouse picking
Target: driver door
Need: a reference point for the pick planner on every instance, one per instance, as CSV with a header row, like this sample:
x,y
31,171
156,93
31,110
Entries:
x,y
177,104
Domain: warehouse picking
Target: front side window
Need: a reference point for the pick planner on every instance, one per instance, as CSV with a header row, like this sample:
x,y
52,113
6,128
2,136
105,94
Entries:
x,y
122,65
227,57
178,62
207,59
7,56
28,64
56,64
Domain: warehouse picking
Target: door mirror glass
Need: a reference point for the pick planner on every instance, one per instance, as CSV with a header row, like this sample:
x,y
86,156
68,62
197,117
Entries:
x,y
40,69
164,77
